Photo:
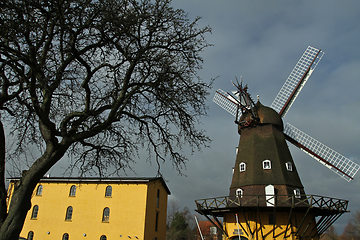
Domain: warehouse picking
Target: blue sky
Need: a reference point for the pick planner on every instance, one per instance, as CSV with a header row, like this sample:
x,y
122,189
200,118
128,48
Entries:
x,y
262,41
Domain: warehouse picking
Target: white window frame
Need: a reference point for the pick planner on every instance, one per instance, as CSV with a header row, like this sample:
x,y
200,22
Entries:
x,y
289,166
266,164
239,192
242,167
297,193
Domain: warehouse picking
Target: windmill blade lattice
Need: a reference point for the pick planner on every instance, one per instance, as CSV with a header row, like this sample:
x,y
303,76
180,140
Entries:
x,y
226,101
339,164
296,80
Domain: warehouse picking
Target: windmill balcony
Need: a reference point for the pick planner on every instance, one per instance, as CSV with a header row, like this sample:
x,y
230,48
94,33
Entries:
x,y
233,203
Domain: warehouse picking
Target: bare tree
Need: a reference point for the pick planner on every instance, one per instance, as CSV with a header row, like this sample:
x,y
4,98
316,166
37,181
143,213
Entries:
x,y
352,229
330,234
96,80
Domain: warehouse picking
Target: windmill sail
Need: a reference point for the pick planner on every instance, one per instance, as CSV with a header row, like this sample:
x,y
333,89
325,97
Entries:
x,y
296,80
226,101
339,164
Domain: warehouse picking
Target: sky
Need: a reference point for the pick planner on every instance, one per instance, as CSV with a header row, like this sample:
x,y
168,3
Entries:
x,y
262,41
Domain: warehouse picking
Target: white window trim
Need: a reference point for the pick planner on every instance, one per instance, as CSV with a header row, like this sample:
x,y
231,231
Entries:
x,y
289,166
239,192
297,193
265,165
244,165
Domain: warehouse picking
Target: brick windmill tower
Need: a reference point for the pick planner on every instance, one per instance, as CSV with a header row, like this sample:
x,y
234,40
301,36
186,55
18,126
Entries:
x,y
267,199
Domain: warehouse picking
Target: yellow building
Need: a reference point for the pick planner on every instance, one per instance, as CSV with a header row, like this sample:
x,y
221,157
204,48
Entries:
x,y
90,208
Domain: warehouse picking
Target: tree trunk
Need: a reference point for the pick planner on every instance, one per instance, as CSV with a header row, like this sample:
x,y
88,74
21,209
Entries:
x,y
20,202
3,193
20,205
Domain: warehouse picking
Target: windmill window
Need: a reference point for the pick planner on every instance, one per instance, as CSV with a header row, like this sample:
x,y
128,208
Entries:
x,y
289,166
106,214
35,212
242,167
39,190
108,191
72,191
266,164
69,212
103,237
297,193
239,192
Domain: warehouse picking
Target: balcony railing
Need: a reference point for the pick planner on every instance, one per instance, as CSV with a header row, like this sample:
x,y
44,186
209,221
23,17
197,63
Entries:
x,y
307,201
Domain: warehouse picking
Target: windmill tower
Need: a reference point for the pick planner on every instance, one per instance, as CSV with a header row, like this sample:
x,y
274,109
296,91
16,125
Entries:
x,y
267,199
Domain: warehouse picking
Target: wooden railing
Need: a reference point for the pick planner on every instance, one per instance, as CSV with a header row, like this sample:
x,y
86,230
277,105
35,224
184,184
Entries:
x,y
309,201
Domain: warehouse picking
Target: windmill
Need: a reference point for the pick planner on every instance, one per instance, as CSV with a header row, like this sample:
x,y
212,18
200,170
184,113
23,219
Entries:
x,y
267,199
302,71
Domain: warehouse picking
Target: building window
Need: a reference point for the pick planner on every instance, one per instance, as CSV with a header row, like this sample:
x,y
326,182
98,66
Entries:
x,y
156,221
242,167
266,164
103,237
289,166
297,193
158,198
239,192
106,214
30,235
65,236
69,212
72,191
35,212
39,190
213,230
108,191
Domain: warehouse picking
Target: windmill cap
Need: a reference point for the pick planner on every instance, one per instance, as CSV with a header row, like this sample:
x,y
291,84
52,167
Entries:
x,y
266,115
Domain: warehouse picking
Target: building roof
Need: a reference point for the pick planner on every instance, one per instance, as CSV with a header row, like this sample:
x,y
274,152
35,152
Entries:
x,y
102,180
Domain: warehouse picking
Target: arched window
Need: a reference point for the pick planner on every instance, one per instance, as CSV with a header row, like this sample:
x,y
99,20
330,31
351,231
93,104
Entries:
x,y
72,191
30,235
39,190
266,164
65,236
35,212
69,212
242,167
108,191
239,192
289,166
106,214
103,237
